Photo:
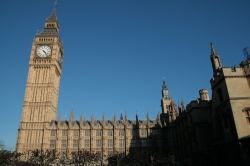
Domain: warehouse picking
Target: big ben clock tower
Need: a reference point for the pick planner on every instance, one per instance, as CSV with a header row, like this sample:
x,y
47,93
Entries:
x,y
42,88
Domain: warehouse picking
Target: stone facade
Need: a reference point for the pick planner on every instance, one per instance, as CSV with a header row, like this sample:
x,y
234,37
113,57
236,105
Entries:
x,y
205,132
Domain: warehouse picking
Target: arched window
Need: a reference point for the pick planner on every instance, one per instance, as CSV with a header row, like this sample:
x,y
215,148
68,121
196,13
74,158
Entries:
x,y
219,92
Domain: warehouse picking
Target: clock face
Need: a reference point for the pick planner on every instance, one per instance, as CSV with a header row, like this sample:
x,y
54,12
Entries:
x,y
43,51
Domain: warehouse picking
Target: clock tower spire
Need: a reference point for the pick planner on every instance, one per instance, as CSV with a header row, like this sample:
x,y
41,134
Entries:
x,y
42,87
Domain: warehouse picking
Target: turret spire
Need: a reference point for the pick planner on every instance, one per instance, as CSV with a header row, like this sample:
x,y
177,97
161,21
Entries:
x,y
51,27
215,59
52,17
164,86
121,117
212,49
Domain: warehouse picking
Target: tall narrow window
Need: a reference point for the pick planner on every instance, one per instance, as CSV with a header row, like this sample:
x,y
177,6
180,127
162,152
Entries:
x,y
133,133
110,133
143,132
76,133
53,133
87,133
143,143
121,132
63,145
75,143
98,133
110,143
121,143
132,143
64,133
52,144
98,143
154,132
87,143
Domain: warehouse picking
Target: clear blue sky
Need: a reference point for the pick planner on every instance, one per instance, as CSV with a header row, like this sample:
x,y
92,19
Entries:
x,y
117,53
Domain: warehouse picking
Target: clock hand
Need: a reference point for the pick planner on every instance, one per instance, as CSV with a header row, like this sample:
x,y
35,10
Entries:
x,y
45,52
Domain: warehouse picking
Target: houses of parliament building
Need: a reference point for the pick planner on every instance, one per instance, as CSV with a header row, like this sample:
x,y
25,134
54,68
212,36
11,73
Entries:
x,y
203,132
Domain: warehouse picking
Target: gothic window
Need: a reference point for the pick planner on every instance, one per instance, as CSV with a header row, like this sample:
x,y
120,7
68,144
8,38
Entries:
x,y
87,133
98,133
86,143
121,143
121,132
110,143
132,143
64,133
143,132
98,143
247,113
219,92
143,143
154,132
52,144
75,143
76,133
53,133
133,133
63,145
110,133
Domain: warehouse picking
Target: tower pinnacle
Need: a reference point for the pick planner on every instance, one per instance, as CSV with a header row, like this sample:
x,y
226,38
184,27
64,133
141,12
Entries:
x,y
52,17
215,59
212,49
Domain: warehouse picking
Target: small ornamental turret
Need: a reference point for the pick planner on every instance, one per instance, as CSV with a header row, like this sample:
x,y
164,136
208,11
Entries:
x,y
92,119
148,118
114,118
204,94
183,105
121,117
81,118
59,118
126,117
159,120
71,117
136,116
104,118
215,59
179,107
